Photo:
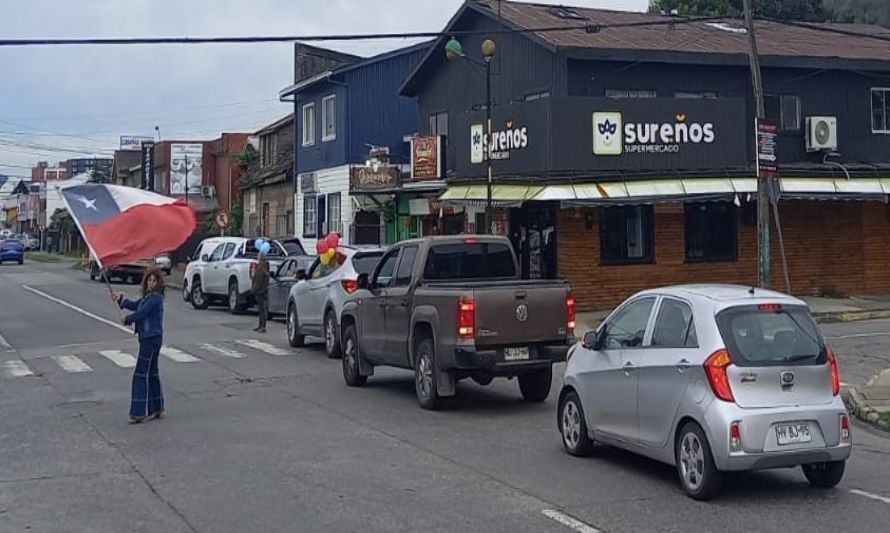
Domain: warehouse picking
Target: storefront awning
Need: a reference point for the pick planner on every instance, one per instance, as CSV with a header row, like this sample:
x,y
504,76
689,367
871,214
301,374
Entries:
x,y
501,195
614,192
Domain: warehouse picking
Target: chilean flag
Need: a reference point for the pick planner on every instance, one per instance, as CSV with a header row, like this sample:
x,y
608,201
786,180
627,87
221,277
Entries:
x,y
123,224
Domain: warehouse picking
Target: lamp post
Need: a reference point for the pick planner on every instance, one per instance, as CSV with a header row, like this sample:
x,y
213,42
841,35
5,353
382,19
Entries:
x,y
454,51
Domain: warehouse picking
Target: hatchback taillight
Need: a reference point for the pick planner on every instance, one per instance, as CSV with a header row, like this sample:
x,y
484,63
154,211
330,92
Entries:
x,y
845,428
253,267
715,368
735,437
466,318
570,314
835,375
349,285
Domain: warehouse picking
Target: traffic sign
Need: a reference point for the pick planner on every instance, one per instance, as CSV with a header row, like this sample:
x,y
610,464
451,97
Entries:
x,y
222,219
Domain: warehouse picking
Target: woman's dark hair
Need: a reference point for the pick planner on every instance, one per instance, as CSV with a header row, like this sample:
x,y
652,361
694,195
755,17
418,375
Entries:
x,y
159,288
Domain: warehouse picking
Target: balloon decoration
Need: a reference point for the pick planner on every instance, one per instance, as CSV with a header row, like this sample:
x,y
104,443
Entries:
x,y
258,244
265,248
327,249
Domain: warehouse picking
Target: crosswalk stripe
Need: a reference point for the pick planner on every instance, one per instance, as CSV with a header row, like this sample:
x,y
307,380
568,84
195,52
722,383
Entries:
x,y
121,359
16,369
178,355
263,347
222,351
72,363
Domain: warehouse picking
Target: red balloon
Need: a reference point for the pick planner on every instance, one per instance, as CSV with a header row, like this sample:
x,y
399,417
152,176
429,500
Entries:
x,y
322,246
333,240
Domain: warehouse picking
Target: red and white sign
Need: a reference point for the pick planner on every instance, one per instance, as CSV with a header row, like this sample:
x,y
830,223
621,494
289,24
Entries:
x,y
767,159
222,219
426,158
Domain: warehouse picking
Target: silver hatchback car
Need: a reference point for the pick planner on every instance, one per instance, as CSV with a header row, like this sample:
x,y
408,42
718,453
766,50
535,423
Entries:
x,y
709,378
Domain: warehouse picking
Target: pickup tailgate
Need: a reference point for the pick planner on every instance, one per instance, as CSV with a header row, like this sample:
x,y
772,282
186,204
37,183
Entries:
x,y
520,313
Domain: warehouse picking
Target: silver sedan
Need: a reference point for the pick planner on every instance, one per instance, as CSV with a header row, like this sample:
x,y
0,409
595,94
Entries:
x,y
709,378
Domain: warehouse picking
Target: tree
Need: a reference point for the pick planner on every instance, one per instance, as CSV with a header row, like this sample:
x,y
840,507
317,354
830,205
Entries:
x,y
860,11
237,223
802,10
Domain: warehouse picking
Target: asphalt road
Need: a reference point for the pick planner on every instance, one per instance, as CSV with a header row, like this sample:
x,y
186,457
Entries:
x,y
261,437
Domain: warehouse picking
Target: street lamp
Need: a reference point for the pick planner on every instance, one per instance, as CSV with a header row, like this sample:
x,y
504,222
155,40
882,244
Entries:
x,y
454,51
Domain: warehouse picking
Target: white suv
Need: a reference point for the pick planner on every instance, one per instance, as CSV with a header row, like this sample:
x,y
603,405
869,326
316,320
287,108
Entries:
x,y
225,272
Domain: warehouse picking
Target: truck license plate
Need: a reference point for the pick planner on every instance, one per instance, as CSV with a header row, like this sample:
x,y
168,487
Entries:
x,y
516,354
793,433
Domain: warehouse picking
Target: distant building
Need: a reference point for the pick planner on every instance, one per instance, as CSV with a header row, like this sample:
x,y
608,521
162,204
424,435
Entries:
x,y
267,184
43,172
87,164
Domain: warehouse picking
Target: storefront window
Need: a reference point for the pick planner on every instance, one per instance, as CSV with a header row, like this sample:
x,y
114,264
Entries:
x,y
711,232
626,235
334,221
309,216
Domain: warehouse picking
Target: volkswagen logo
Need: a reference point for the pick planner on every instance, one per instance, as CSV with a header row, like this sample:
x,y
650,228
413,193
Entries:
x,y
522,313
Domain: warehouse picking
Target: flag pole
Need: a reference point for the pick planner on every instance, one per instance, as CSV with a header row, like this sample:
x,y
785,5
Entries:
x,y
111,292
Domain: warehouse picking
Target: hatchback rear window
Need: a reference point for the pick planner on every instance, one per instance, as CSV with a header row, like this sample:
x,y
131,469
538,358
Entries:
x,y
364,263
771,335
470,260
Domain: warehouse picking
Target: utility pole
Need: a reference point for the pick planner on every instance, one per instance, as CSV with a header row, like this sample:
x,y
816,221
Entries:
x,y
762,185
490,143
185,180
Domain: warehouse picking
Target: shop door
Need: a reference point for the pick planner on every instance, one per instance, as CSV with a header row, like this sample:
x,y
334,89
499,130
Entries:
x,y
367,228
322,214
534,236
453,224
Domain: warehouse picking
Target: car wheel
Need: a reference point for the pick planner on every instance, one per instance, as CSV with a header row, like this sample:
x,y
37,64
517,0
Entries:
x,y
168,271
199,299
331,340
235,307
350,358
535,385
695,464
186,293
824,475
21,261
573,426
293,328
425,382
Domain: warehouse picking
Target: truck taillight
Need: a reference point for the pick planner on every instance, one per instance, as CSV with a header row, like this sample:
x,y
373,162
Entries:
x,y
570,314
253,267
466,319
349,285
835,374
715,369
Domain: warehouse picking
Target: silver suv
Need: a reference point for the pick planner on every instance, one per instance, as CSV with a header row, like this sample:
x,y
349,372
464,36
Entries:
x,y
709,378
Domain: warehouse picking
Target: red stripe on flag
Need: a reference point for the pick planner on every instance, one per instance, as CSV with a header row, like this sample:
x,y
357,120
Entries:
x,y
141,232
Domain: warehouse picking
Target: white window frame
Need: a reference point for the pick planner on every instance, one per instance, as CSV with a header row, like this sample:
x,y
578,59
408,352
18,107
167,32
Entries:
x,y
310,216
309,132
251,203
334,217
871,95
324,118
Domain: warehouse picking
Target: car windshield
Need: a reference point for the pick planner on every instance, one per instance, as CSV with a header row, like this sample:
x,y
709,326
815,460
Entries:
x,y
470,260
364,263
771,335
293,248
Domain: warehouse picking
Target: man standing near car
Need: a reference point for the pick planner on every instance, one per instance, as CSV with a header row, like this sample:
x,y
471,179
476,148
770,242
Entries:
x,y
260,289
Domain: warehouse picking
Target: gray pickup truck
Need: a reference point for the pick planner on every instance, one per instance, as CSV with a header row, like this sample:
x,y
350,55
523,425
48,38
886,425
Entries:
x,y
452,308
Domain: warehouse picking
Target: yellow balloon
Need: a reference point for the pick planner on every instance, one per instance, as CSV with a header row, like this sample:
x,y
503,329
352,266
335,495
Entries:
x,y
328,256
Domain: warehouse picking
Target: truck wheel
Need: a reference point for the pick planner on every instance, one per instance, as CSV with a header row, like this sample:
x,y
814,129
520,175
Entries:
x,y
199,299
186,293
425,382
331,337
350,358
535,385
824,475
293,328
235,307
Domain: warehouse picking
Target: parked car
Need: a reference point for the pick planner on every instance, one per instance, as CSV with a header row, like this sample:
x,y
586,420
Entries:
x,y
4,233
164,262
12,250
195,264
226,273
294,247
291,270
31,242
315,304
131,272
452,308
709,379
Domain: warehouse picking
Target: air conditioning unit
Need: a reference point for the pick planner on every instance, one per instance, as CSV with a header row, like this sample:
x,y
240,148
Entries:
x,y
821,134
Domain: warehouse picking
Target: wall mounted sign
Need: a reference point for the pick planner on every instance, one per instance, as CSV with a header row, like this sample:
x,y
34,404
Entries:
x,y
767,157
371,179
426,158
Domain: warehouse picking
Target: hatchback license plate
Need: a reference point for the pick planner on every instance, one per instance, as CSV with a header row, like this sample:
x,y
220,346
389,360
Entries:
x,y
793,434
516,354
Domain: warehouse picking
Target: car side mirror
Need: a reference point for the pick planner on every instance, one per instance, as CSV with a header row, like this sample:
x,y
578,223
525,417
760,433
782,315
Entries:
x,y
205,258
589,341
364,282
273,275
593,340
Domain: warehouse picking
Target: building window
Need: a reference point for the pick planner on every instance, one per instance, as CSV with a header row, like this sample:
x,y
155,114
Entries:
x,y
309,215
334,222
880,110
253,227
783,110
308,124
251,204
626,235
621,93
281,226
290,223
696,95
439,123
329,118
711,232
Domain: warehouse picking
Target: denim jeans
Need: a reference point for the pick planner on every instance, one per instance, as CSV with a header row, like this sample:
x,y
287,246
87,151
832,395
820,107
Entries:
x,y
147,398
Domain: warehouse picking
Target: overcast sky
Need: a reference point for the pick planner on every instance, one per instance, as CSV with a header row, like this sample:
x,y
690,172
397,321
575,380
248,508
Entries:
x,y
83,98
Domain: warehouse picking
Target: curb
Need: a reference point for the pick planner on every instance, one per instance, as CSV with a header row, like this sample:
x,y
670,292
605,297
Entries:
x,y
851,316
858,407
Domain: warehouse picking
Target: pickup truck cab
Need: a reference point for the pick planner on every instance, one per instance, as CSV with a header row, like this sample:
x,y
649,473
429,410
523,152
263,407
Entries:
x,y
452,308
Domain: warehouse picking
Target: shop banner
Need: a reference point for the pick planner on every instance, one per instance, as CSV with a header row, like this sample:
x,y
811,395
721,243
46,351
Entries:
x,y
373,178
426,158
767,156
186,168
148,166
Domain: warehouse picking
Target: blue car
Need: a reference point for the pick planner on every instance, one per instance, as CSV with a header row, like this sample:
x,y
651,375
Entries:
x,y
12,250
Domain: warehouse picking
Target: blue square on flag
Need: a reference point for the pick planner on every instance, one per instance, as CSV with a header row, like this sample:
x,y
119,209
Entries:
x,y
91,203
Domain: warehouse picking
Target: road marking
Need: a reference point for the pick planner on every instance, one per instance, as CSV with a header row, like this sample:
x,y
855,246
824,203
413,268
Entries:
x,y
121,359
858,336
16,369
73,307
222,351
569,522
870,495
263,347
72,363
3,342
178,355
